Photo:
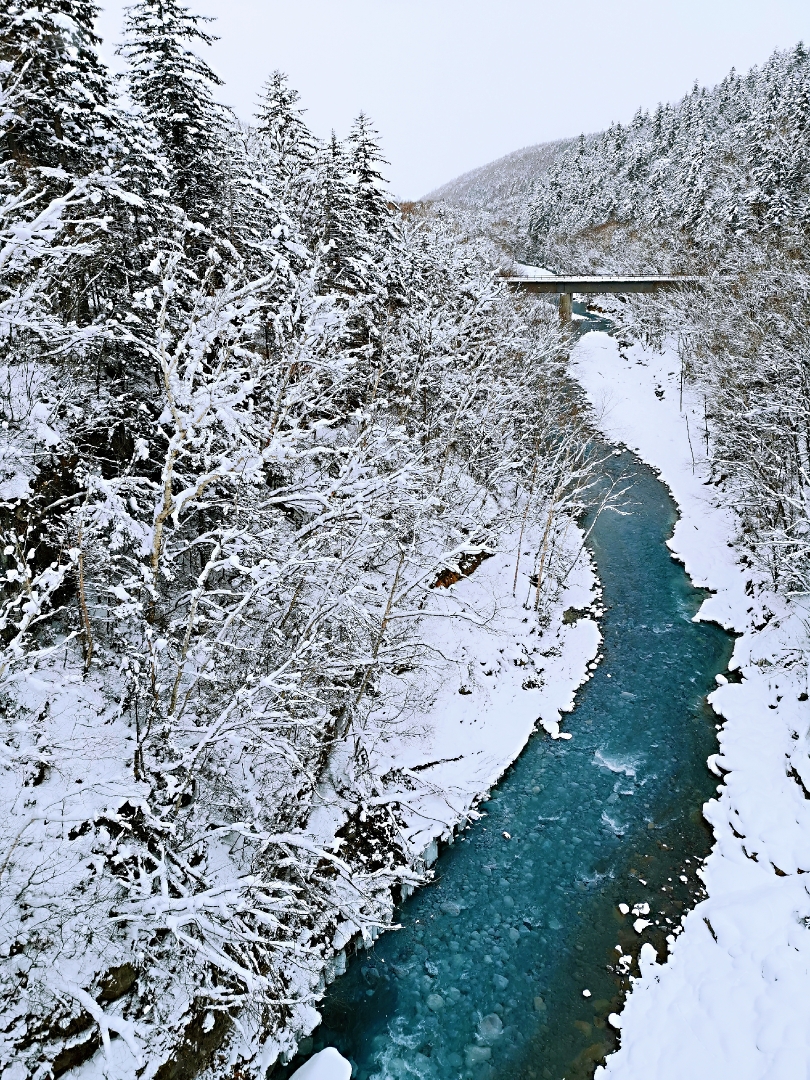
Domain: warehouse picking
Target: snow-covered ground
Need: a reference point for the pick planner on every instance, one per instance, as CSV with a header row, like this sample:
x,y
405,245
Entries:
x,y
732,999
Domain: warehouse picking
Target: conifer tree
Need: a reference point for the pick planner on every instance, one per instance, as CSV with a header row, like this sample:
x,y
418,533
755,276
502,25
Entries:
x,y
365,157
174,88
58,95
344,249
284,164
353,260
85,224
288,146
377,212
64,137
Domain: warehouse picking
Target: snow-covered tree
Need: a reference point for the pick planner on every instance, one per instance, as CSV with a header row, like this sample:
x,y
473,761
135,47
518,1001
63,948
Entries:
x,y
364,159
289,147
57,94
174,87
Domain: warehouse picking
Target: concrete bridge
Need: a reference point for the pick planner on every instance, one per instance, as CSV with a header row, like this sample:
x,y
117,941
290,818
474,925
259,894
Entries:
x,y
566,286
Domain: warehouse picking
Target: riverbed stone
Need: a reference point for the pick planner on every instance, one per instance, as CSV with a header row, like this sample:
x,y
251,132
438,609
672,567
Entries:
x,y
475,1055
490,1027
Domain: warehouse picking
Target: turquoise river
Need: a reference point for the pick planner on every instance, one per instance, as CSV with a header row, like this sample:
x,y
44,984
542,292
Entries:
x,y
486,977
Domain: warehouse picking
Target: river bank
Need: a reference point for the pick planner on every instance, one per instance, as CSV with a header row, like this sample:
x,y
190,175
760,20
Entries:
x,y
731,999
494,674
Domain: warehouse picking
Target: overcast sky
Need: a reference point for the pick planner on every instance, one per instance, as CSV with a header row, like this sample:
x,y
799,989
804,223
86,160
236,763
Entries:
x,y
453,84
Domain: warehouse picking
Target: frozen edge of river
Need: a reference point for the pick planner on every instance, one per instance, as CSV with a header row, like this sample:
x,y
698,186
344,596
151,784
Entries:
x,y
731,1000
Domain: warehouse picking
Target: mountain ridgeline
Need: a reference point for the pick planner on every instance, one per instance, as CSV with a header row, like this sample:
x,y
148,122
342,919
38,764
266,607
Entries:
x,y
504,189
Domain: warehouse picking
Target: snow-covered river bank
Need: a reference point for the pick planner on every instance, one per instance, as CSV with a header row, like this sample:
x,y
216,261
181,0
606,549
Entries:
x,y
509,962
732,998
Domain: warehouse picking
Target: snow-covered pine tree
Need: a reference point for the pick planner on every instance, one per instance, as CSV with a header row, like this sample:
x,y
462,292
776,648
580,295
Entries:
x,y
82,221
378,210
174,88
64,129
60,128
365,157
68,152
358,237
288,146
273,176
343,243
58,96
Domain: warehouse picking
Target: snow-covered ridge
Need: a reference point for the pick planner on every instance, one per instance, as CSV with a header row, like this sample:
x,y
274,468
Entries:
x,y
501,182
731,998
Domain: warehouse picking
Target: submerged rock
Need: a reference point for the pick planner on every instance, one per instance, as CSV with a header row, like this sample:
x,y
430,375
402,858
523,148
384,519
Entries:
x,y
474,1055
490,1027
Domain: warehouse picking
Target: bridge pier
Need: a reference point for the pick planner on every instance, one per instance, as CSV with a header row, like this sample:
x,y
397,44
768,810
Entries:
x,y
566,299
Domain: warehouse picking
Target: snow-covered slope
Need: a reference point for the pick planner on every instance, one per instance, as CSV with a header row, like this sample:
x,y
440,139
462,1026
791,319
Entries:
x,y
732,998
502,186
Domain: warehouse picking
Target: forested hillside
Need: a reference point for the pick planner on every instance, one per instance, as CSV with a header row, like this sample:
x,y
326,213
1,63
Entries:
x,y
718,168
503,190
717,184
503,185
250,415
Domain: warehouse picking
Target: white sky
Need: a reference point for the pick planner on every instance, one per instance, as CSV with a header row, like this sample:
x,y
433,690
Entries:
x,y
453,84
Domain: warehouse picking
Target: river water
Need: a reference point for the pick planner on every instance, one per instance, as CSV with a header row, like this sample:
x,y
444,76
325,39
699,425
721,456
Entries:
x,y
486,977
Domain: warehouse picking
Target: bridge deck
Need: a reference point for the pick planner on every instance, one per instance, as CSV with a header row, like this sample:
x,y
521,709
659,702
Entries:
x,y
600,284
